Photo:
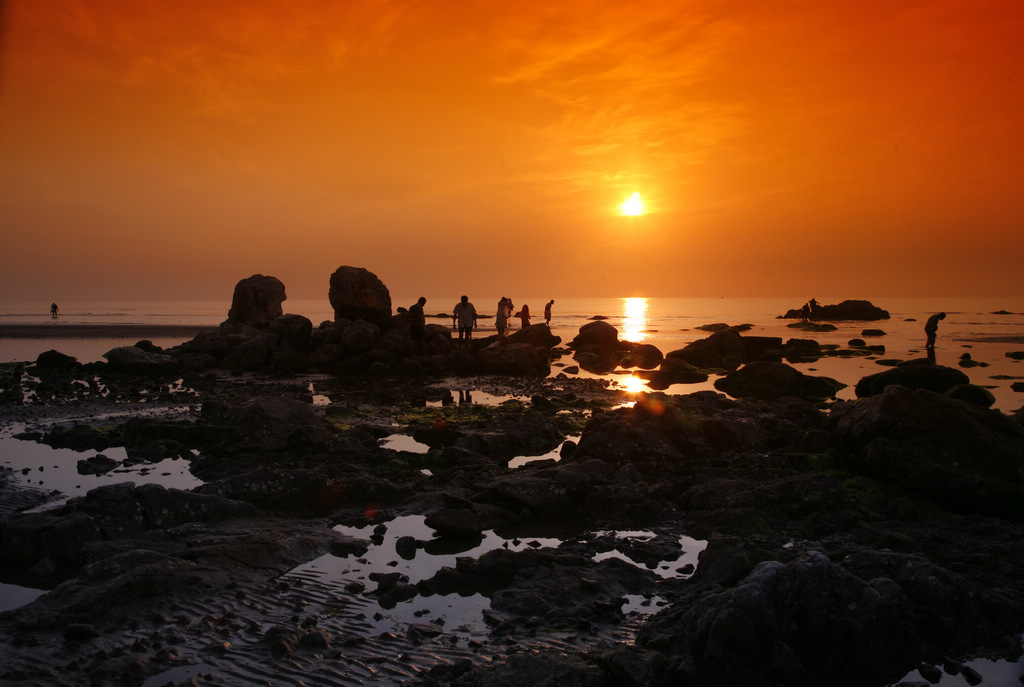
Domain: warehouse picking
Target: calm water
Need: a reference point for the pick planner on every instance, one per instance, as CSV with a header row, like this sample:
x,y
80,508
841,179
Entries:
x,y
668,323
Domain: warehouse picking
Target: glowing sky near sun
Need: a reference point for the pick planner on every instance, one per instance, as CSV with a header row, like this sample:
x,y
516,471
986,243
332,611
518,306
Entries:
x,y
169,149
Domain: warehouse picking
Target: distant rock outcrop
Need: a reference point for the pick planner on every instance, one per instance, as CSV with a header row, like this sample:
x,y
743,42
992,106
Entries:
x,y
256,301
847,310
364,338
357,294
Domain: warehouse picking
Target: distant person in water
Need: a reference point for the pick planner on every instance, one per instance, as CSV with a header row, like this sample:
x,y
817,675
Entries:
x,y
501,316
524,316
418,327
931,326
547,311
464,317
53,310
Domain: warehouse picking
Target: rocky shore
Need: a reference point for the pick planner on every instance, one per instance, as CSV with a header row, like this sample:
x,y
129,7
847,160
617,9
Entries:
x,y
845,543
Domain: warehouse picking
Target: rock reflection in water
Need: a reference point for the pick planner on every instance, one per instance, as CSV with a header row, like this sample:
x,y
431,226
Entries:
x,y
391,552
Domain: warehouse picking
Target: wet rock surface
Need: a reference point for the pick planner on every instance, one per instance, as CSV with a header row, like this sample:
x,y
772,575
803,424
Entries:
x,y
847,543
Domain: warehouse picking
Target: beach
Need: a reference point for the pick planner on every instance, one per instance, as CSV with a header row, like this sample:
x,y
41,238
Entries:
x,y
412,522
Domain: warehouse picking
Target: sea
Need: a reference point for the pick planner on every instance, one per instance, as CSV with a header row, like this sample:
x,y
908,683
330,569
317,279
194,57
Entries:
x,y
977,334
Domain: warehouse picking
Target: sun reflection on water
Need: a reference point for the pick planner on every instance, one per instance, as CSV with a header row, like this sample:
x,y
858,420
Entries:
x,y
634,319
633,385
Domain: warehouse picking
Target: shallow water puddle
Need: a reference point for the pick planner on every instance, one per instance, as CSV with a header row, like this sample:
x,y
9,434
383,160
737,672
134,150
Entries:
x,y
464,397
1000,672
687,562
15,596
56,469
554,454
454,611
403,442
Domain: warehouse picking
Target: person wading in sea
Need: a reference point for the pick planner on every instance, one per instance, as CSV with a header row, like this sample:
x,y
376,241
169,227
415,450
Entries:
x,y
931,326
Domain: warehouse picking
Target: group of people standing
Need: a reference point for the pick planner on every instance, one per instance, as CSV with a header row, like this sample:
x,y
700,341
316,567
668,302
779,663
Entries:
x,y
504,313
464,318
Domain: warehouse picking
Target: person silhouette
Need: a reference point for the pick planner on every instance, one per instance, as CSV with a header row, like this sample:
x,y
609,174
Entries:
x,y
501,317
464,316
931,326
524,316
547,311
53,310
418,327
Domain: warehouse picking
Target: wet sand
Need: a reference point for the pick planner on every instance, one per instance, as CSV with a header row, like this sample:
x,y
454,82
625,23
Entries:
x,y
58,330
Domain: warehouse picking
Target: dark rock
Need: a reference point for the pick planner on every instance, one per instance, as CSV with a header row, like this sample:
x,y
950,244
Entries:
x,y
767,380
964,457
762,348
80,632
673,371
547,669
597,333
916,375
520,359
53,359
724,349
358,294
538,335
251,352
256,301
293,330
455,523
802,350
809,616
359,336
847,310
972,393
270,422
96,465
137,361
84,437
644,356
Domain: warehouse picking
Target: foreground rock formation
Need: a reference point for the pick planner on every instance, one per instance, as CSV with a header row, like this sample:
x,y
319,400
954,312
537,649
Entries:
x,y
846,542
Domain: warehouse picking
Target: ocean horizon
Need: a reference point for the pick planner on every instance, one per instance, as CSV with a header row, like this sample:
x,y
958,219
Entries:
x,y
984,328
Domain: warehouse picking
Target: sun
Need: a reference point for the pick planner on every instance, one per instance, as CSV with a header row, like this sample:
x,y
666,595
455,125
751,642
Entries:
x,y
634,205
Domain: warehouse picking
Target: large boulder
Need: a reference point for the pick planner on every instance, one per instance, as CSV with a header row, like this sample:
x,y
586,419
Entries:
x,y
768,380
814,622
357,294
597,347
724,349
256,301
597,333
847,310
53,359
515,359
134,360
963,456
914,375
536,335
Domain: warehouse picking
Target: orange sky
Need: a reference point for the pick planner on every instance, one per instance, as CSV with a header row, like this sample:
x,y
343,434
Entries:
x,y
153,149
